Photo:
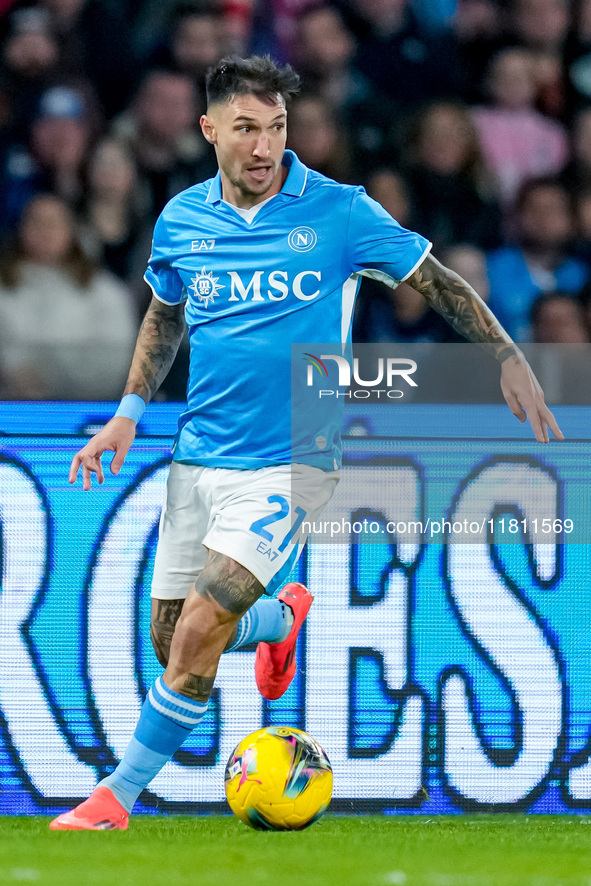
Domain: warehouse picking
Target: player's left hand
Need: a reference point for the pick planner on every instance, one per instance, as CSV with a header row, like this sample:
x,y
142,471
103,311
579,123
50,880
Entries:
x,y
525,398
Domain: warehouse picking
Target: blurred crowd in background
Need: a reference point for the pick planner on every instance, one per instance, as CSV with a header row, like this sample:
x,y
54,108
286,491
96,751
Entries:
x,y
468,120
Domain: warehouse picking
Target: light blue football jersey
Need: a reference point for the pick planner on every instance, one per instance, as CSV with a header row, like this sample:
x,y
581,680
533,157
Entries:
x,y
253,289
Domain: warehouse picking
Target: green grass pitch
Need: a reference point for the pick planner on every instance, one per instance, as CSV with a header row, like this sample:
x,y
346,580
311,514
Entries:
x,y
499,850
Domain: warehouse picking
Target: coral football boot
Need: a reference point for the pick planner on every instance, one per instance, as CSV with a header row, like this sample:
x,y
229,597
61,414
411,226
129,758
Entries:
x,y
101,812
275,663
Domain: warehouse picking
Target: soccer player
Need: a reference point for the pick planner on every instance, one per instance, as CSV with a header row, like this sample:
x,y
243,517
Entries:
x,y
265,254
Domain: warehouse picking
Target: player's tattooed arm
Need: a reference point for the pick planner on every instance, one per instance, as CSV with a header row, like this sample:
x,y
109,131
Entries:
x,y
158,341
462,307
465,311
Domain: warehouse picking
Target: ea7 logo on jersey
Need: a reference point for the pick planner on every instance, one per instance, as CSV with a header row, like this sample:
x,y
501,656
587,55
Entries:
x,y
198,245
205,286
302,239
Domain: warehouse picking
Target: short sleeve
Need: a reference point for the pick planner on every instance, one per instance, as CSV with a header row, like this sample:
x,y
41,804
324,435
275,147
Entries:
x,y
163,280
378,246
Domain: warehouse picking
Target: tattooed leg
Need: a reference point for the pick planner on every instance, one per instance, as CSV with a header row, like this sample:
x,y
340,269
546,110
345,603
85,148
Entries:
x,y
198,688
165,614
227,583
207,623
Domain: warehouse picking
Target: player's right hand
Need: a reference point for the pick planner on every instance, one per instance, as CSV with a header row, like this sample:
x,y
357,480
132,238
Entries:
x,y
116,436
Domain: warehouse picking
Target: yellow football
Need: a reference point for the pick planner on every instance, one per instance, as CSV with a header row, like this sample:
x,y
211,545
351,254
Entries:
x,y
278,779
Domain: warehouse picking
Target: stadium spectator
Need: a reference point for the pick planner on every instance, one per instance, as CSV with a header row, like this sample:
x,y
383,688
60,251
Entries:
x,y
324,51
470,263
115,233
66,327
196,40
478,27
160,130
557,318
403,315
577,173
318,139
247,23
269,27
381,313
578,57
582,203
540,260
55,157
400,57
477,19
390,189
563,365
461,374
543,26
94,44
6,120
29,62
264,27
345,49
451,195
113,226
517,142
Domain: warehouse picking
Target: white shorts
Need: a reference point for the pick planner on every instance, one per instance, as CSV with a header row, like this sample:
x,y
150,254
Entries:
x,y
255,517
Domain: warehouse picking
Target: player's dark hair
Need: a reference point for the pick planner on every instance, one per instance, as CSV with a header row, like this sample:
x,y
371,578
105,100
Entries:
x,y
257,75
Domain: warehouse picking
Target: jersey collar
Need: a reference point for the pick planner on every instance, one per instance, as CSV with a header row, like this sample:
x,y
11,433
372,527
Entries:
x,y
294,184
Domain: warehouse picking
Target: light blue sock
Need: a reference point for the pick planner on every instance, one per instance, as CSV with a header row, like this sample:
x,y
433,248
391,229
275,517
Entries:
x,y
166,720
267,620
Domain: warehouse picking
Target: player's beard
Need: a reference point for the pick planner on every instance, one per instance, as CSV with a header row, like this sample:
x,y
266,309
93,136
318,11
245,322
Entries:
x,y
248,190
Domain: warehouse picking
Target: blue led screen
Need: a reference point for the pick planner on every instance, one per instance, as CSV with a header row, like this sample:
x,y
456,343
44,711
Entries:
x,y
439,677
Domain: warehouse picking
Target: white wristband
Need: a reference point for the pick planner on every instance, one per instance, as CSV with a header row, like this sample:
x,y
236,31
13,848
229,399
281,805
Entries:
x,y
132,406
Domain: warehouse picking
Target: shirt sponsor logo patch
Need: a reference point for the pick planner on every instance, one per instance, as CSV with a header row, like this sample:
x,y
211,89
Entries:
x,y
205,286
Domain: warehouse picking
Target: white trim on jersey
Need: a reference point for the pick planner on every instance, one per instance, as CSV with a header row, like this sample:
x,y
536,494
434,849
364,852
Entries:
x,y
348,293
209,198
382,277
163,300
304,184
420,261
